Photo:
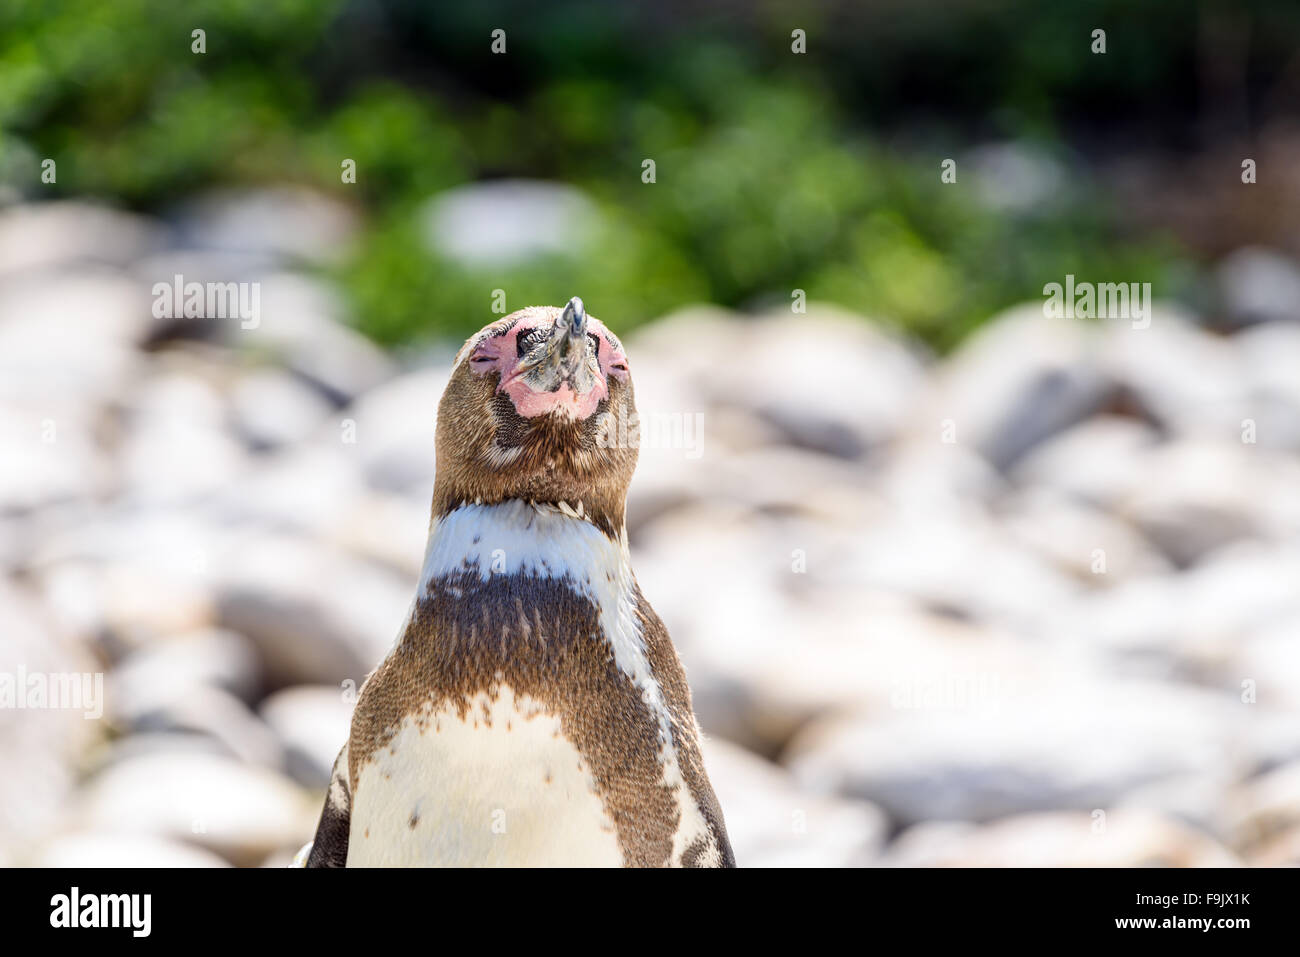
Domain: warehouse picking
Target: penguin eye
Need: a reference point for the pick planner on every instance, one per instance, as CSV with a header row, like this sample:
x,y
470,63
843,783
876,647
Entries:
x,y
526,340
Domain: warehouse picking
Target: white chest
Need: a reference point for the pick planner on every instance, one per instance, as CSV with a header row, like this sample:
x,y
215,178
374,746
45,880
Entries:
x,y
502,787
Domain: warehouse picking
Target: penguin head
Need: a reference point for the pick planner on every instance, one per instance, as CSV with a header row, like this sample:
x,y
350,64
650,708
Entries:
x,y
539,407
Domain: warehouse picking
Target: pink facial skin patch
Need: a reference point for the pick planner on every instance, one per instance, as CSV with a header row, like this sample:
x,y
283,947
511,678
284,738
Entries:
x,y
500,354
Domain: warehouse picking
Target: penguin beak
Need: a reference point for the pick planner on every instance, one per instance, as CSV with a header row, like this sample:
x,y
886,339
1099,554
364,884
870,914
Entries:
x,y
567,354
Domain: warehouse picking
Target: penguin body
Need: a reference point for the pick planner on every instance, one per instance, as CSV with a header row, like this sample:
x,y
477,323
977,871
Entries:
x,y
533,712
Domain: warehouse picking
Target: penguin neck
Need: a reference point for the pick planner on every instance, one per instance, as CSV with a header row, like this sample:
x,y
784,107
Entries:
x,y
519,538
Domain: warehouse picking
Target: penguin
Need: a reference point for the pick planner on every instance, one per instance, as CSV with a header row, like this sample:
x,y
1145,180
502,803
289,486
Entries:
x,y
533,710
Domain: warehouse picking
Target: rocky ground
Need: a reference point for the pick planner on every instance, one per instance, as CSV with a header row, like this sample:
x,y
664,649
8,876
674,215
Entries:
x,y
1038,602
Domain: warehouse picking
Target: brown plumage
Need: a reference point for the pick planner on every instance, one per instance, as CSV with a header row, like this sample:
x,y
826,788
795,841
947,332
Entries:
x,y
559,637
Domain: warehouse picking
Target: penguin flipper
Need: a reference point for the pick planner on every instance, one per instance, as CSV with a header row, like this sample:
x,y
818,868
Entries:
x,y
330,848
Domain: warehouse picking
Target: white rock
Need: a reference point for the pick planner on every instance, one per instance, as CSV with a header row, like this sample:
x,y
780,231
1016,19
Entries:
x,y
1080,744
970,567
767,649
391,431
49,456
66,232
281,221
1259,285
772,823
502,222
95,849
1271,353
1015,383
1130,838
1098,460
238,811
806,365
387,529
306,488
221,659
1154,367
271,409
301,324
1264,809
924,476
1017,176
1094,547
317,616
312,722
1280,851
69,336
1197,799
1194,497
177,446
201,709
1270,659
667,374
1192,624
131,576
39,745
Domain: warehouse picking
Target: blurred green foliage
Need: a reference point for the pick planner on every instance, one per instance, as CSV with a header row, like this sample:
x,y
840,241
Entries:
x,y
774,171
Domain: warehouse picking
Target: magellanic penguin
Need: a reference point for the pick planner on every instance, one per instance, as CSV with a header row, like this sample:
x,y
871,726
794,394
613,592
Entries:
x,y
533,712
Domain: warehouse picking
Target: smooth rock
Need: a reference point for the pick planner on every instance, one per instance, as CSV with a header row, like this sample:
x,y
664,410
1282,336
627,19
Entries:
x,y
971,568
772,823
96,849
312,722
508,221
282,221
1195,497
1018,177
205,710
1062,839
806,364
1265,809
40,745
70,232
212,657
1090,545
389,432
1259,285
177,446
238,811
389,530
1153,367
316,615
1271,353
1194,624
1280,851
1099,460
301,325
1080,744
69,337
772,648
1016,382
272,409
1269,658
49,456
305,488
